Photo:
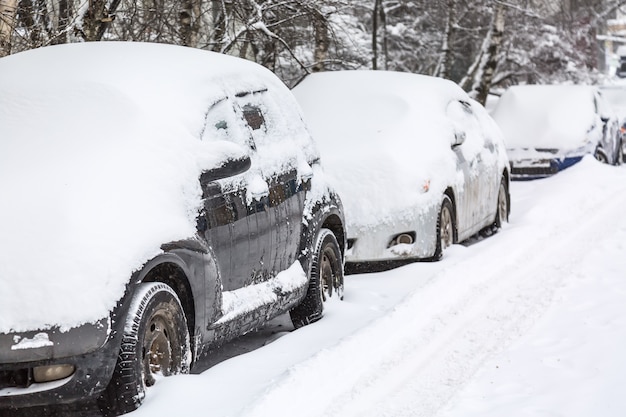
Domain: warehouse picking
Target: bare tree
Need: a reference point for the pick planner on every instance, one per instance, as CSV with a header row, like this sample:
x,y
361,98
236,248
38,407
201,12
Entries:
x,y
488,61
8,10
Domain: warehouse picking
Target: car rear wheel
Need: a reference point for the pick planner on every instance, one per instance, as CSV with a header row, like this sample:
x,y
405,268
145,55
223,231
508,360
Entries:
x,y
155,343
445,227
502,213
325,280
600,155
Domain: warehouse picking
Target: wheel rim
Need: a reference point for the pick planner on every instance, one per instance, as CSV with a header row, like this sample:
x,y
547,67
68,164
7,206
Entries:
x,y
446,228
327,273
502,205
157,348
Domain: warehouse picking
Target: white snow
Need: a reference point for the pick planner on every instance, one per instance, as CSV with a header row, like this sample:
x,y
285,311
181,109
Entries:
x,y
547,116
39,340
528,322
244,300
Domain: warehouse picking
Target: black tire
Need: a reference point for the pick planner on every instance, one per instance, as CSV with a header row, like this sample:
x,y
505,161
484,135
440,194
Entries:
x,y
502,211
155,341
325,280
446,226
600,155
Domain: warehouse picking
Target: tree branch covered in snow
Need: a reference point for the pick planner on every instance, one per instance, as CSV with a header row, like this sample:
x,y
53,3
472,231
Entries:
x,y
541,41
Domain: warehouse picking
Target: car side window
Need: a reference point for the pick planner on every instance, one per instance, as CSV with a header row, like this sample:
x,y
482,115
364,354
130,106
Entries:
x,y
464,121
255,111
253,116
223,123
279,143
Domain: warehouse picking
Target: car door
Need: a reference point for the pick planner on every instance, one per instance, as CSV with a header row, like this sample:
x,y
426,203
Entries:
x,y
491,167
278,165
235,217
469,164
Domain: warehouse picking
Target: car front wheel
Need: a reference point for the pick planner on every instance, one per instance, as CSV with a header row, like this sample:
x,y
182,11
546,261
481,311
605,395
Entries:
x,y
325,280
445,227
155,343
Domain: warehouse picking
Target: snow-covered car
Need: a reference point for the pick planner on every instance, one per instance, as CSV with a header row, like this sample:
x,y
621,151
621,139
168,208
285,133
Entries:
x,y
548,128
157,201
418,164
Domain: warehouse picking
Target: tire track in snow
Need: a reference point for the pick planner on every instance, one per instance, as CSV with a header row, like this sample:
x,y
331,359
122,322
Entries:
x,y
432,343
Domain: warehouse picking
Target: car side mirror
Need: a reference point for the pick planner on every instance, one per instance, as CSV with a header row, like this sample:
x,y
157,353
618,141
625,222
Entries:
x,y
228,168
459,138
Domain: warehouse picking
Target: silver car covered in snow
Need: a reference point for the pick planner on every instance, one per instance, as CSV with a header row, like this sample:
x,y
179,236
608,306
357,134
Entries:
x,y
419,165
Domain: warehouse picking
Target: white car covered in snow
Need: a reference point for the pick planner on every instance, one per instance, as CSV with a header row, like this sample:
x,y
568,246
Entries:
x,y
418,164
548,128
157,201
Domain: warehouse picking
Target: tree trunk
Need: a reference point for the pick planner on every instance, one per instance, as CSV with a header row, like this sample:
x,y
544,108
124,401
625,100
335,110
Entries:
x,y
62,35
97,19
320,30
383,25
8,10
218,8
489,61
443,68
379,13
189,27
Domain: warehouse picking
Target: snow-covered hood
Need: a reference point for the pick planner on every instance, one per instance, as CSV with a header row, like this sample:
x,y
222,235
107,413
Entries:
x,y
99,164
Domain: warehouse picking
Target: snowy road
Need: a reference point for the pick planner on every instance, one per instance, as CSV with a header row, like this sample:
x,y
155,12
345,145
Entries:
x,y
424,339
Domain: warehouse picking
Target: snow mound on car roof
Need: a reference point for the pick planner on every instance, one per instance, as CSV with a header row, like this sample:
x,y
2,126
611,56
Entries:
x,y
546,116
99,163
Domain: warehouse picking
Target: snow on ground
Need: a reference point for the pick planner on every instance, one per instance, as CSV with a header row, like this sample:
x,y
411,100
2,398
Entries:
x,y
528,322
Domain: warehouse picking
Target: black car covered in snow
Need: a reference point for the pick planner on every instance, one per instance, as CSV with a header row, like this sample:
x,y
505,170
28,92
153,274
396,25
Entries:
x,y
157,202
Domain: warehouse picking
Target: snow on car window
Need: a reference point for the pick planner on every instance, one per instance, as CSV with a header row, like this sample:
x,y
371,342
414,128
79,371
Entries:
x,y
278,132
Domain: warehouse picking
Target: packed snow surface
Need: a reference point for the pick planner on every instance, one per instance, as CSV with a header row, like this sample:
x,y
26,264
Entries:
x,y
528,322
